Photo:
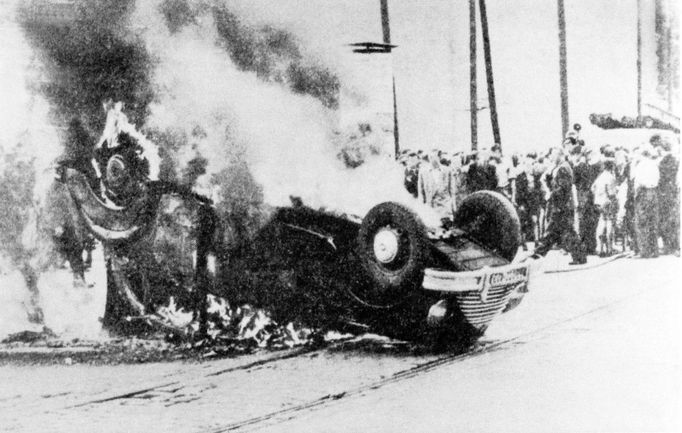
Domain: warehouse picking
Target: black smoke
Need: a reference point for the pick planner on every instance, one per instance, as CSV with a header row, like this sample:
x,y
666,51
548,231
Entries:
x,y
91,59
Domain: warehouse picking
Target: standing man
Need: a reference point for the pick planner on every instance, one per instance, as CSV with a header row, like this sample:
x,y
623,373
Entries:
x,y
669,199
561,210
435,186
412,173
626,199
584,176
502,167
646,177
482,174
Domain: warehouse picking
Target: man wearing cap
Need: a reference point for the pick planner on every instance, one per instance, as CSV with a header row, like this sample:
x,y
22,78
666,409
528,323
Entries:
x,y
561,210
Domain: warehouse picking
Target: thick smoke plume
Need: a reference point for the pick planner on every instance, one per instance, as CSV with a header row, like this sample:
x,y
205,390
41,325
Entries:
x,y
259,98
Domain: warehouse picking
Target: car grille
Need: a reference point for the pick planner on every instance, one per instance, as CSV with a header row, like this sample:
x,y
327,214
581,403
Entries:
x,y
479,309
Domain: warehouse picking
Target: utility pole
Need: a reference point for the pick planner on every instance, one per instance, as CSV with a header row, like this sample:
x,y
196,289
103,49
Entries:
x,y
385,25
563,76
473,104
669,59
386,31
639,61
489,73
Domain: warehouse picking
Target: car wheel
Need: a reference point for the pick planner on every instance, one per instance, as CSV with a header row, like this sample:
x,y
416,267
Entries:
x,y
490,219
392,247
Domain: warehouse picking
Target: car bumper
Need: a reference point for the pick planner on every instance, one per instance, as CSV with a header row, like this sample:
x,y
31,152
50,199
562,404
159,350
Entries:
x,y
482,294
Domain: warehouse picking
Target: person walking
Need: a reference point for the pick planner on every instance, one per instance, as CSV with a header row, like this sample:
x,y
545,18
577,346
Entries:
x,y
561,210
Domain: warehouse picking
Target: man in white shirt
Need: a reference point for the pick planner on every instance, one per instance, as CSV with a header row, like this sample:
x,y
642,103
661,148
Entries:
x,y
435,186
646,175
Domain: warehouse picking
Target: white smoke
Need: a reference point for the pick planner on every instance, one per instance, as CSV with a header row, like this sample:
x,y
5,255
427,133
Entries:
x,y
25,121
14,301
74,310
29,135
290,141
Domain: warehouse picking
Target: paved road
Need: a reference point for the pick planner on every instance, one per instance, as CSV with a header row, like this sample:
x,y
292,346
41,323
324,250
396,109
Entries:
x,y
595,350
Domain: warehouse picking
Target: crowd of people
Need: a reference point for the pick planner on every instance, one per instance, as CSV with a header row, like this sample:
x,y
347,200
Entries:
x,y
585,200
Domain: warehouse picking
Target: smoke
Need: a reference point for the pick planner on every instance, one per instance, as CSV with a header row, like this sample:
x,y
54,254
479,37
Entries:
x,y
242,86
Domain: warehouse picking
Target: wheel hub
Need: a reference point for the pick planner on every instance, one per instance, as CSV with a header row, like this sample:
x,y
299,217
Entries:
x,y
386,245
117,173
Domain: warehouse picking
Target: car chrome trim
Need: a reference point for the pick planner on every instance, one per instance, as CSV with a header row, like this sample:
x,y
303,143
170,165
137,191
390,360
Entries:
x,y
483,280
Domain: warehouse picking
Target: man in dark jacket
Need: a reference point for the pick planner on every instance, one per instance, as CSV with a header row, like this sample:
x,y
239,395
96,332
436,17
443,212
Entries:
x,y
481,174
584,175
412,174
561,210
668,199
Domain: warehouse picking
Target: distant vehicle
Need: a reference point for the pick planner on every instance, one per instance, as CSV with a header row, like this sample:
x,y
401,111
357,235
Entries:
x,y
629,138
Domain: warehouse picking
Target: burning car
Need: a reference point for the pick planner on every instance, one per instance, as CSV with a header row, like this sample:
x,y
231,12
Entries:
x,y
387,271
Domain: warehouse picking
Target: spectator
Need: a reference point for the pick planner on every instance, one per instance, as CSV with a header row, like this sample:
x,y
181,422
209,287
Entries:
x,y
458,174
521,194
537,198
604,190
646,177
585,174
481,174
502,166
435,186
625,219
668,198
412,173
561,211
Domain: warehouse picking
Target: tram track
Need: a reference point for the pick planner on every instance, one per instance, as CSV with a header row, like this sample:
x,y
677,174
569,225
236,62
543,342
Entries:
x,y
388,362
275,417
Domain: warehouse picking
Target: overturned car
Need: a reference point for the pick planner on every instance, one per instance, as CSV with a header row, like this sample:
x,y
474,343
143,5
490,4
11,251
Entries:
x,y
387,272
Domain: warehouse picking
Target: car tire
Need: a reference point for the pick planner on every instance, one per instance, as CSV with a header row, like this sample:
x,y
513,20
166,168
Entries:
x,y
393,250
490,219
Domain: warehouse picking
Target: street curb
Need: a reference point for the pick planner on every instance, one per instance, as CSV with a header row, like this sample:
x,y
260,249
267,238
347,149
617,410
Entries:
x,y
601,262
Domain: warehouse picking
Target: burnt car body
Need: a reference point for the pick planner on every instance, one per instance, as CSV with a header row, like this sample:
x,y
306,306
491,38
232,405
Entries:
x,y
385,272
